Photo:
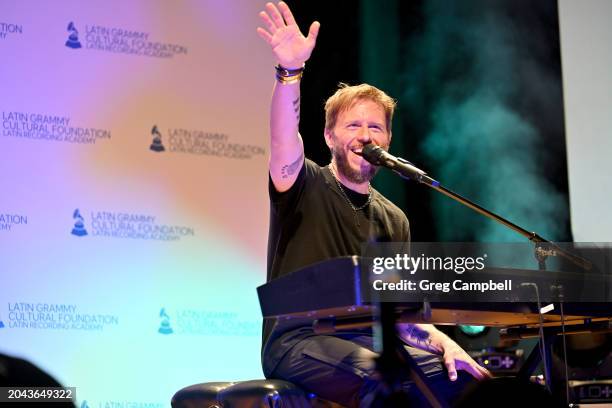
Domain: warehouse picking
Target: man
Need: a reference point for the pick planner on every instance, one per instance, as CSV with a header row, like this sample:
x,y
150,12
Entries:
x,y
319,213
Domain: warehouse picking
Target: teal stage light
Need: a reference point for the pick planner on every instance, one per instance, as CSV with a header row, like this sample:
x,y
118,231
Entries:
x,y
472,330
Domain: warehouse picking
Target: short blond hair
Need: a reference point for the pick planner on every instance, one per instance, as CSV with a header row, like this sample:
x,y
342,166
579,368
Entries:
x,y
346,96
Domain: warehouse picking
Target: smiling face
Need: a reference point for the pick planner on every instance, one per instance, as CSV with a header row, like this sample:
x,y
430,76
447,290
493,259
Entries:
x,y
362,123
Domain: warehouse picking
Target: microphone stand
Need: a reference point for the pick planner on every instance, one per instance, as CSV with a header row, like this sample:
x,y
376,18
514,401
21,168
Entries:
x,y
543,247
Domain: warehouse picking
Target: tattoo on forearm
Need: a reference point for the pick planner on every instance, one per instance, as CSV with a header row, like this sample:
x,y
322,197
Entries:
x,y
290,169
296,108
420,338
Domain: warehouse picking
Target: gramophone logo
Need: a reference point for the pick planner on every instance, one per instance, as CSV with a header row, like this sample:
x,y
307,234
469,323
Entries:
x,y
156,144
79,225
73,37
164,327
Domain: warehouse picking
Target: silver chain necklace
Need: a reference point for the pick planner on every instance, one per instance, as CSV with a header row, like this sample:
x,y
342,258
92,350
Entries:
x,y
348,200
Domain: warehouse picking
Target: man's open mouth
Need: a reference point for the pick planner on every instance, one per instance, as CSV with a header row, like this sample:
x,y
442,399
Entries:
x,y
357,150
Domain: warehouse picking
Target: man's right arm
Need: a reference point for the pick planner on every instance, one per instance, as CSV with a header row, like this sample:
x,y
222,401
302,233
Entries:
x,y
291,50
286,145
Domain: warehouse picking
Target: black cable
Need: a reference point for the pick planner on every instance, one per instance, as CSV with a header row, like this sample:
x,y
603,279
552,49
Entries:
x,y
541,331
567,393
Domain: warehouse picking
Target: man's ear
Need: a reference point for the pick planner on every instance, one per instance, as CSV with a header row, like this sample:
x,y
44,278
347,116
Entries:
x,y
328,138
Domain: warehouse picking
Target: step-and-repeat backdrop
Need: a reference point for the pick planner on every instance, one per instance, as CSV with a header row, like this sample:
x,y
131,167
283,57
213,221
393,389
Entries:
x,y
133,169
133,210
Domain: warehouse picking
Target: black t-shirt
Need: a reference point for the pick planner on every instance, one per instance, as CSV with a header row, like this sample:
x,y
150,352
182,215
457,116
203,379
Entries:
x,y
312,222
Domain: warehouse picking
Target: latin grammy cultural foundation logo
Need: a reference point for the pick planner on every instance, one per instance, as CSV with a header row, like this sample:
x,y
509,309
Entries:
x,y
203,143
73,37
79,224
191,322
119,224
164,327
120,41
48,127
56,316
156,144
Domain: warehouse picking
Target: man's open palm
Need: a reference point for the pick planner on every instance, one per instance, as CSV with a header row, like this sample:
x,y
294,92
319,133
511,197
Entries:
x,y
289,45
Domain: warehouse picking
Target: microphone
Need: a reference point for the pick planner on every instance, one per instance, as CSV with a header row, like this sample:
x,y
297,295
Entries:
x,y
379,157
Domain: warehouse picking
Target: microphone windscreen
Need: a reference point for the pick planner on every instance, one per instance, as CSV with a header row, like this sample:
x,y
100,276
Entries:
x,y
372,153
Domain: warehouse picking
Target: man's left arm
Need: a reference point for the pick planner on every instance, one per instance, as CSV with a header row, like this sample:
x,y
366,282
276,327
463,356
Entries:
x,y
427,337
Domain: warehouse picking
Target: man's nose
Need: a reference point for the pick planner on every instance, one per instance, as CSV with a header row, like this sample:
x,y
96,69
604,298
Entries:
x,y
364,135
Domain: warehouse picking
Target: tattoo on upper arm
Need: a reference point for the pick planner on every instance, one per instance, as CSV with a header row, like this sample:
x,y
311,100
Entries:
x,y
290,169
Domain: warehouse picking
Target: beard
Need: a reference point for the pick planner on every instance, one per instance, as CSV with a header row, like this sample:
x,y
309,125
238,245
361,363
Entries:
x,y
364,174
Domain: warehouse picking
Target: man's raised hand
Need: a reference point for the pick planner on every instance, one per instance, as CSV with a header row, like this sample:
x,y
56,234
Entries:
x,y
290,47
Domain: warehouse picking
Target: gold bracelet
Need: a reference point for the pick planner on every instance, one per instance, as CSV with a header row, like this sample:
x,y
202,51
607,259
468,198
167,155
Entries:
x,y
286,80
288,76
